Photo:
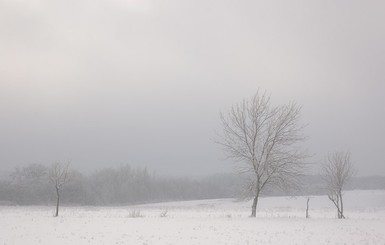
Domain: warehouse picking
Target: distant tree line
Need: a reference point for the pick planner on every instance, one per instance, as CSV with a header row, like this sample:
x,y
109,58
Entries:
x,y
124,185
31,185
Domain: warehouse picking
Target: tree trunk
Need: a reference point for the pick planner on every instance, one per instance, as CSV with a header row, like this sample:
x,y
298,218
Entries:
x,y
338,207
254,206
336,201
307,207
341,206
57,202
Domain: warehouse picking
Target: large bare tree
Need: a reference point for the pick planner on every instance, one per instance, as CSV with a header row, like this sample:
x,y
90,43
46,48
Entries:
x,y
337,170
59,176
263,138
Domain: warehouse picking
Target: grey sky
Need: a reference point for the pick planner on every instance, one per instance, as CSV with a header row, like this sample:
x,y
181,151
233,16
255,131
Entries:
x,y
110,82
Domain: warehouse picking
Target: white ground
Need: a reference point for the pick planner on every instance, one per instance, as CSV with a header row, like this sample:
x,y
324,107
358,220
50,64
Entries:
x,y
280,221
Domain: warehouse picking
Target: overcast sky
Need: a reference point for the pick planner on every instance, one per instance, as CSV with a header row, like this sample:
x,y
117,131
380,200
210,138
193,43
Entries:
x,y
111,82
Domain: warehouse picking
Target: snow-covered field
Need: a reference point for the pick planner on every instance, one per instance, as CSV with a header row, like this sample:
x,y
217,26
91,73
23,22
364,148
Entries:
x,y
280,221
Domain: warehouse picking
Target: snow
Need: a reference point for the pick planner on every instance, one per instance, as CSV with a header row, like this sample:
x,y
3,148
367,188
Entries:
x,y
224,221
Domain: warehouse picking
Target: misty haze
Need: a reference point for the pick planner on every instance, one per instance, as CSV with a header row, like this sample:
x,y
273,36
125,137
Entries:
x,y
192,122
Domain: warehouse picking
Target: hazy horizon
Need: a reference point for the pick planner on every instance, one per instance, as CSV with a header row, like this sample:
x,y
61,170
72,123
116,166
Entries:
x,y
107,83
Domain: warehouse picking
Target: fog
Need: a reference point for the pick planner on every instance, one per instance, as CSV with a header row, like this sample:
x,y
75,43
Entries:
x,y
107,83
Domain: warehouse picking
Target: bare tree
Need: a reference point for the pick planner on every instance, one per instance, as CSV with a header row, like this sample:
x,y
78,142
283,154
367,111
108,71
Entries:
x,y
59,176
264,139
337,170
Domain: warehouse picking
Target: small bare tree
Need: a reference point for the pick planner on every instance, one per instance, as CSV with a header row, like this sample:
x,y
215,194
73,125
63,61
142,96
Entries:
x,y
337,170
59,176
264,138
